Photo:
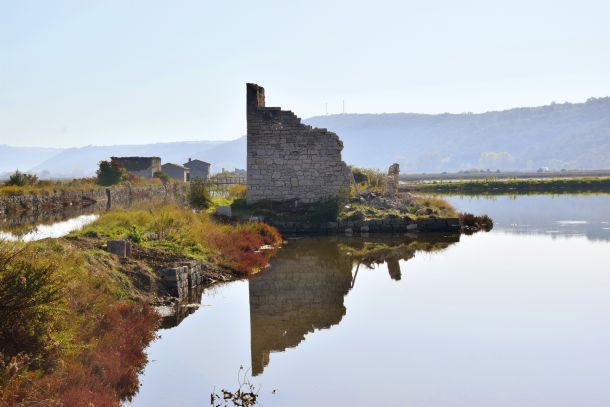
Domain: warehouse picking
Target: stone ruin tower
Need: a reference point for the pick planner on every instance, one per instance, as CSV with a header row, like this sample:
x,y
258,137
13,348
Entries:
x,y
288,161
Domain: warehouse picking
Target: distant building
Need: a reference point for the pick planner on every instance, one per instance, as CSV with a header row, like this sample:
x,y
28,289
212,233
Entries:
x,y
175,171
198,169
144,167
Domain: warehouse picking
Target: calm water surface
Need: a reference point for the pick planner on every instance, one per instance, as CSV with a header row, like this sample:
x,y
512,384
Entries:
x,y
514,317
46,231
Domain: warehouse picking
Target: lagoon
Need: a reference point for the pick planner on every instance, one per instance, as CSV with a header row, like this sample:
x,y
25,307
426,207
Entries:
x,y
516,316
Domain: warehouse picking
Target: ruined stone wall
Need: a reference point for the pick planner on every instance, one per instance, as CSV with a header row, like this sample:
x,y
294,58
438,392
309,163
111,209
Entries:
x,y
144,167
290,161
49,205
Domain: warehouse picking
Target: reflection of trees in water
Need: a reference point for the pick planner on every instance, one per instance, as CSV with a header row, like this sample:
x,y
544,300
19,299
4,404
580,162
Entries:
x,y
307,282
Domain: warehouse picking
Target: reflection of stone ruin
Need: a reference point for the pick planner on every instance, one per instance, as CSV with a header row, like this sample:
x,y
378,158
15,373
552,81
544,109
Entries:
x,y
307,282
289,161
303,291
392,249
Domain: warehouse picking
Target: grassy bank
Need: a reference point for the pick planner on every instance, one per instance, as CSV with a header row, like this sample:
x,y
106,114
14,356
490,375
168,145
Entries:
x,y
52,186
70,334
74,319
516,186
175,232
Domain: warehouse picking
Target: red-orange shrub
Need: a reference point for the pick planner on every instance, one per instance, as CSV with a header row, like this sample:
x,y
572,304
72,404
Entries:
x,y
103,372
242,247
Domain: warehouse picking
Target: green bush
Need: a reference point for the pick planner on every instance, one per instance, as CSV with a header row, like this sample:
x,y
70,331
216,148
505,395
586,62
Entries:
x,y
360,175
20,179
30,292
367,178
162,176
198,194
110,173
135,234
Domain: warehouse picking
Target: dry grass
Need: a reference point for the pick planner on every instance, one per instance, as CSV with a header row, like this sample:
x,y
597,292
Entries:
x,y
196,235
53,186
438,205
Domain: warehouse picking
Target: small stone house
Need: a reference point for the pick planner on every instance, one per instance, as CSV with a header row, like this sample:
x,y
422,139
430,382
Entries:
x,y
175,171
198,169
140,166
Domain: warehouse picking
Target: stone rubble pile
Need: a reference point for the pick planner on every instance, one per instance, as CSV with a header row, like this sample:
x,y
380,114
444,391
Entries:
x,y
382,201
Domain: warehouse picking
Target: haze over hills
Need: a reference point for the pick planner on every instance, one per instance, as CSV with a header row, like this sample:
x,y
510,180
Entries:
x,y
83,161
567,135
24,158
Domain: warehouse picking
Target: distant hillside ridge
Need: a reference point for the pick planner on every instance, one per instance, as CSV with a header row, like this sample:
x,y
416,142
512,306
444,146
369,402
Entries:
x,y
23,158
557,136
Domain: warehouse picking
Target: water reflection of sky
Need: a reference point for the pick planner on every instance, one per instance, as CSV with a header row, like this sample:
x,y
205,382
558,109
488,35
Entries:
x,y
498,319
561,215
515,317
53,230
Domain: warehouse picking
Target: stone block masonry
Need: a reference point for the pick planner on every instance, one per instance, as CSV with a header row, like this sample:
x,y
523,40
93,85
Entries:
x,y
121,248
180,279
289,161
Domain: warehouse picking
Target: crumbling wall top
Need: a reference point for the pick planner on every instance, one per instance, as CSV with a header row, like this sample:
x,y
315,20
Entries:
x,y
255,97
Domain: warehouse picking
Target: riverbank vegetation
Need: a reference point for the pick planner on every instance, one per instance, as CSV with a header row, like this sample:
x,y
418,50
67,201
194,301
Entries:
x,y
515,186
69,334
74,319
175,232
35,186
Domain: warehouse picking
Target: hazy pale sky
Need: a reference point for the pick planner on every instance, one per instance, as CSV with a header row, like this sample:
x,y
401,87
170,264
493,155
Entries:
x,y
74,73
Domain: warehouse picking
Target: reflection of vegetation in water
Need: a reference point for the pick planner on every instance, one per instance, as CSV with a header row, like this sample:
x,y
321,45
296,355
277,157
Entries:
x,y
246,394
390,251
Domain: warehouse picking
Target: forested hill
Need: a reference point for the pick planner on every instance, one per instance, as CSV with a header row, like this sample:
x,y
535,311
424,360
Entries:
x,y
567,135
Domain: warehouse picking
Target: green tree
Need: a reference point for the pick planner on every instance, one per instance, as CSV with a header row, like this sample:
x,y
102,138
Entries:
x,y
30,292
199,196
21,179
162,176
110,173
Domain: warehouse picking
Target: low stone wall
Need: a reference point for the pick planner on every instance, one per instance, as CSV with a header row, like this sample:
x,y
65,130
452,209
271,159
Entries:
x,y
102,198
372,226
180,279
